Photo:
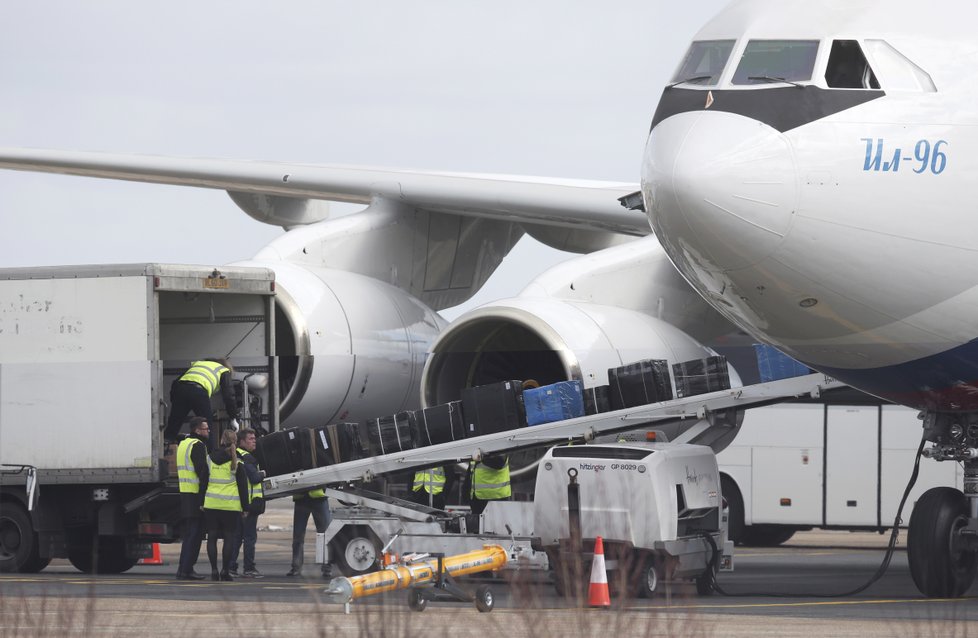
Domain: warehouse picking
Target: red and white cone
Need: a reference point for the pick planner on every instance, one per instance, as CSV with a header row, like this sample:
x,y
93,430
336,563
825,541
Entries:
x,y
597,592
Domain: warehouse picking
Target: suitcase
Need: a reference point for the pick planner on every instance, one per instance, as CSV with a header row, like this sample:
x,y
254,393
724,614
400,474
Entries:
x,y
391,434
639,383
772,364
555,402
347,442
496,407
314,448
439,424
279,452
597,399
700,376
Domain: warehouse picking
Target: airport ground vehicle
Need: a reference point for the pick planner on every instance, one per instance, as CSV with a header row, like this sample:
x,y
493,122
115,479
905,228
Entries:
x,y
841,463
652,503
87,355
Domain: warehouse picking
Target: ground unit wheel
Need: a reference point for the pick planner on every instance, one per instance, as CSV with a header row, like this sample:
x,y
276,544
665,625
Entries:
x,y
112,558
484,600
356,551
939,564
417,600
735,509
706,582
18,542
568,575
647,578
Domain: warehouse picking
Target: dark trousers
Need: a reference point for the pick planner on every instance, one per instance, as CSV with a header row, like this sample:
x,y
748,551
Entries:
x,y
221,523
190,548
248,536
421,498
187,397
304,508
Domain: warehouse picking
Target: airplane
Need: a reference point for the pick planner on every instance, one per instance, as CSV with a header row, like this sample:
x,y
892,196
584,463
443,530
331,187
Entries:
x,y
783,168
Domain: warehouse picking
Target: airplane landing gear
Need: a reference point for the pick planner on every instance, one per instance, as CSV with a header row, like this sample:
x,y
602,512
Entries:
x,y
940,548
942,543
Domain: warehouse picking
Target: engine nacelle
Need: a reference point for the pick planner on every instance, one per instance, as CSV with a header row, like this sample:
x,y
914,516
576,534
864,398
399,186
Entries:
x,y
349,347
548,340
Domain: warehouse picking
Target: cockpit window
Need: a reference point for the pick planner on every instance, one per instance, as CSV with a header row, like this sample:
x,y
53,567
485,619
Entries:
x,y
772,61
704,62
848,68
895,71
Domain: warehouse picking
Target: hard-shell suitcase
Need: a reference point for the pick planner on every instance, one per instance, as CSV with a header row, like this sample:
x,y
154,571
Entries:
x,y
496,407
640,383
700,376
279,452
391,434
597,399
439,424
347,442
314,448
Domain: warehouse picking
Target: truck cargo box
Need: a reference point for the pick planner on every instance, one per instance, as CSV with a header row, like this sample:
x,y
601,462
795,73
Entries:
x,y
87,355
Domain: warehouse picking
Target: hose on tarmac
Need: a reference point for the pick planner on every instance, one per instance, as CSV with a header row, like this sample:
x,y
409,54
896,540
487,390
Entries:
x,y
894,534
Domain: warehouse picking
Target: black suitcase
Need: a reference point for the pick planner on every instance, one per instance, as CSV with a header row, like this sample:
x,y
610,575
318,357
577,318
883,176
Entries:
x,y
314,447
347,442
597,399
639,383
279,452
496,407
700,376
439,424
391,434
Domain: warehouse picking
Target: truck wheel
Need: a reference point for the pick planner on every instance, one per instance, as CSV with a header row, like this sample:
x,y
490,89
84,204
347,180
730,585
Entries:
x,y
706,582
356,551
735,509
18,542
940,563
416,600
112,557
647,578
484,600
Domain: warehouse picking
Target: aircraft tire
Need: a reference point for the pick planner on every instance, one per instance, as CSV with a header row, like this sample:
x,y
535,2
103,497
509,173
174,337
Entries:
x,y
938,567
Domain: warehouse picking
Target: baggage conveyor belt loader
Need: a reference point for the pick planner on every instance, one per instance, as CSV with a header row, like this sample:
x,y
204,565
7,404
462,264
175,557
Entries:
x,y
654,504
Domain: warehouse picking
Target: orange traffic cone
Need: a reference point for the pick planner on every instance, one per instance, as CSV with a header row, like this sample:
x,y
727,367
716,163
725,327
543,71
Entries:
x,y
155,559
597,591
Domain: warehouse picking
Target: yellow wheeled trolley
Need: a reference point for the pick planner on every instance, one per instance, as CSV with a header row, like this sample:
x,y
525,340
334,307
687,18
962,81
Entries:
x,y
427,577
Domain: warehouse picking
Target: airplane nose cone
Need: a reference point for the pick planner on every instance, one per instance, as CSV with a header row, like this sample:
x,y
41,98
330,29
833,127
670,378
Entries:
x,y
722,189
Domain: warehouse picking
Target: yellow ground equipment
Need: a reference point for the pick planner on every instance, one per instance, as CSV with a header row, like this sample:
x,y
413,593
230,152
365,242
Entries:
x,y
427,576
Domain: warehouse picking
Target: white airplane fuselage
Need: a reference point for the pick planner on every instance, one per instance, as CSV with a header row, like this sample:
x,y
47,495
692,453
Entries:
x,y
834,221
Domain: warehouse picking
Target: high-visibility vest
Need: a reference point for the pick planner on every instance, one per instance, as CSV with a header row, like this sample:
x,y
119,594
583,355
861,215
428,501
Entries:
x,y
256,490
319,493
187,475
489,484
222,489
431,480
206,374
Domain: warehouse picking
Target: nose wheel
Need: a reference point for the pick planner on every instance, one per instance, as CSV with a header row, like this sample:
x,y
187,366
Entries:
x,y
941,547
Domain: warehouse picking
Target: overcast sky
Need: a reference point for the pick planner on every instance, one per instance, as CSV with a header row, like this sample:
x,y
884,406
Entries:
x,y
552,88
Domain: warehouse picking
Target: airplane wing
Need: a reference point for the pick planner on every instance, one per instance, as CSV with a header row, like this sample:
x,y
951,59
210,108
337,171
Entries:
x,y
286,194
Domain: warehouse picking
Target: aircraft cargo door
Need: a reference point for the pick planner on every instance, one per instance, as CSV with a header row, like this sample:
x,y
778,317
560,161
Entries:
x,y
852,465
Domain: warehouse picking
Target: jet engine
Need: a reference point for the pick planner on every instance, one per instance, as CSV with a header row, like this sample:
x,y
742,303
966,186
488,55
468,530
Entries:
x,y
350,347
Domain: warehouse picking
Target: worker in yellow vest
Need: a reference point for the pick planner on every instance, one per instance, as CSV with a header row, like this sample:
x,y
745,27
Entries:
x,y
430,487
248,536
313,504
192,391
193,473
225,503
490,482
